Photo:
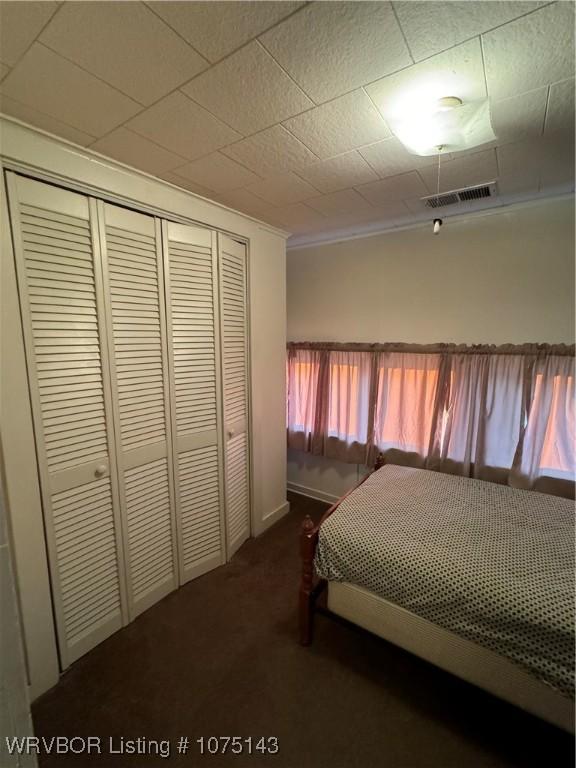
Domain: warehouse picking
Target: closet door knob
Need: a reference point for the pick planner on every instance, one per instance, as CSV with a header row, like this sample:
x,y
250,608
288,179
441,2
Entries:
x,y
230,433
100,470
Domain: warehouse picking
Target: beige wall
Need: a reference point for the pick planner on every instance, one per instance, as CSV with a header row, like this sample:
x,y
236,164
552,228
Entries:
x,y
502,277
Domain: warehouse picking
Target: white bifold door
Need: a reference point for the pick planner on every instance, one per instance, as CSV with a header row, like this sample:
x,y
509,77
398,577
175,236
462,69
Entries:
x,y
131,248
136,341
60,283
233,320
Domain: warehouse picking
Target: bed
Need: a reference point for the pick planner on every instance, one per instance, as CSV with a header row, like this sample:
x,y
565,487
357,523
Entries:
x,y
475,577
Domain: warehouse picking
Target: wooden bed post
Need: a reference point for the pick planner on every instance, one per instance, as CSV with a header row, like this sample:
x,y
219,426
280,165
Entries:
x,y
308,538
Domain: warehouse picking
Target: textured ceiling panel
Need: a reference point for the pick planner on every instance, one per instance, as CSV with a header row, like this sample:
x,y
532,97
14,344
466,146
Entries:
x,y
394,188
330,48
535,50
135,150
216,29
243,200
297,217
20,23
432,27
346,123
218,172
126,45
271,151
560,113
182,126
248,90
390,158
457,72
47,82
44,122
519,117
465,171
344,201
284,189
273,108
340,172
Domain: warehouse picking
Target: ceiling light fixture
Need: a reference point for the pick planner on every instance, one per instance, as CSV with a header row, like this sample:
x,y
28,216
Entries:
x,y
423,122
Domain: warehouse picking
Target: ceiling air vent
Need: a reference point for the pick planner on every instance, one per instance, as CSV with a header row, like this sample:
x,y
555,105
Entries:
x,y
457,196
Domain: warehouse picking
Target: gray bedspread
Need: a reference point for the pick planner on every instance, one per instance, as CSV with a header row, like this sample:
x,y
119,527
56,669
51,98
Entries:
x,y
487,562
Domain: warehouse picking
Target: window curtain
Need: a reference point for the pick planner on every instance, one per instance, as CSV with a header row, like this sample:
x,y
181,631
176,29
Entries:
x,y
545,456
482,416
408,406
502,414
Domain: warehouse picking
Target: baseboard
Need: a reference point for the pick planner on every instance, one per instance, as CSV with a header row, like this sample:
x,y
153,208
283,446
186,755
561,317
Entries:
x,y
312,493
272,517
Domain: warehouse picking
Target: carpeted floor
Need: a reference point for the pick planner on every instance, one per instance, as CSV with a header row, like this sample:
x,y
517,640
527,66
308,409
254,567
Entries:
x,y
220,657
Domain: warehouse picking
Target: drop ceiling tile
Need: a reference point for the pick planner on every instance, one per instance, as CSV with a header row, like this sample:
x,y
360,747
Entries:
x,y
394,189
184,127
385,214
530,52
244,200
519,117
552,157
248,90
346,123
390,158
560,113
190,186
271,151
462,172
132,149
296,218
343,201
47,82
218,172
330,48
338,173
126,45
217,29
283,189
520,182
45,122
433,27
20,24
457,72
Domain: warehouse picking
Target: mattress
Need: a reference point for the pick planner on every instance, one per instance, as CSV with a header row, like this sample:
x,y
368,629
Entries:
x,y
492,564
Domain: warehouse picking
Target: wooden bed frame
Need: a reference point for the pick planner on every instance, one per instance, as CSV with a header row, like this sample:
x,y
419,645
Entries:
x,y
475,664
309,590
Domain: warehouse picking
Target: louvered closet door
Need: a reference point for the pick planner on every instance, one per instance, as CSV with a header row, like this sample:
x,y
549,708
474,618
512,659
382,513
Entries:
x,y
59,278
134,292
191,299
234,351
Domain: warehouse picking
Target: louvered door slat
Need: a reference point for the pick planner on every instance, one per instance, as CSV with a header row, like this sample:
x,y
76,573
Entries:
x,y
59,280
132,261
233,324
191,297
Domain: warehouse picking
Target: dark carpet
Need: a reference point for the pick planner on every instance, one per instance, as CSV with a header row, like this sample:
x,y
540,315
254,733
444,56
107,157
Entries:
x,y
220,657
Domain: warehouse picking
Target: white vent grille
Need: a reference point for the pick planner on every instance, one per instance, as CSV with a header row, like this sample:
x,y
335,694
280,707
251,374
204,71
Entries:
x,y
459,196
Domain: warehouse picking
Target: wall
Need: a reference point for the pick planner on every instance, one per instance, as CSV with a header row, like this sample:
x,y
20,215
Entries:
x,y
504,276
46,157
15,720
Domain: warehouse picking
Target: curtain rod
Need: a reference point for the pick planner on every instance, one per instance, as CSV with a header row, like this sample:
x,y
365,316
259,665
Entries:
x,y
476,349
